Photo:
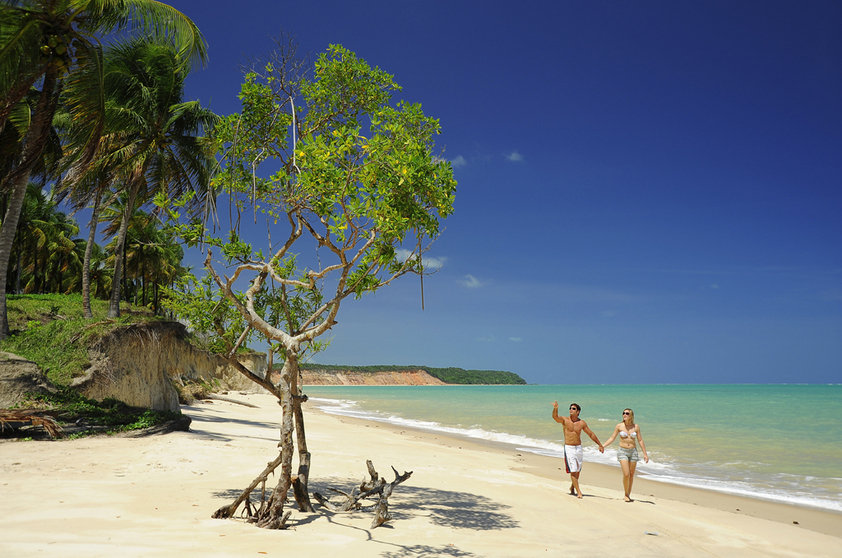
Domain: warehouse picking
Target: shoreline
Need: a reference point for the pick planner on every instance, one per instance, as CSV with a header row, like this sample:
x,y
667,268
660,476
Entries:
x,y
610,478
154,496
739,461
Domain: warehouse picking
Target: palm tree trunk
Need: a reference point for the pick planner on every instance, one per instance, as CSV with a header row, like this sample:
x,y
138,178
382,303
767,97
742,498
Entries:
x,y
7,236
120,250
86,264
17,271
33,146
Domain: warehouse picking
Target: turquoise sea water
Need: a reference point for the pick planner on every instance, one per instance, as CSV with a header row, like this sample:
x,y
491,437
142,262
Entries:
x,y
775,442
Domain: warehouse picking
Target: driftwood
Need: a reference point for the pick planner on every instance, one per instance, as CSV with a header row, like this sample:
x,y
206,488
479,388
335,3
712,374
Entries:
x,y
376,486
15,418
229,400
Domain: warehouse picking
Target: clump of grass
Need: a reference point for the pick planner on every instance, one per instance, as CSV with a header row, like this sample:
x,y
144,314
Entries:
x,y
68,407
51,331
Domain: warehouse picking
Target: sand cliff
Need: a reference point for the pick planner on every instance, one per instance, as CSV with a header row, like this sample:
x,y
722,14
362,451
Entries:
x,y
381,378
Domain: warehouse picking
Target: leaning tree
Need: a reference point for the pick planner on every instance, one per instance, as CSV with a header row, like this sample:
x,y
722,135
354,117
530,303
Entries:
x,y
352,195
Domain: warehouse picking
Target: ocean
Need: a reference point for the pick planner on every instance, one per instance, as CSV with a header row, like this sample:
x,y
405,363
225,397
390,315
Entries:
x,y
775,442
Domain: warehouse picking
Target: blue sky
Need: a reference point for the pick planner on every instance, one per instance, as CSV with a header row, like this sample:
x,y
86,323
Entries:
x,y
648,191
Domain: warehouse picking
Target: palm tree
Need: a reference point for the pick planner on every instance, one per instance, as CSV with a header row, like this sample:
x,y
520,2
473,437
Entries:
x,y
156,134
43,37
30,240
99,274
64,255
152,257
46,256
44,41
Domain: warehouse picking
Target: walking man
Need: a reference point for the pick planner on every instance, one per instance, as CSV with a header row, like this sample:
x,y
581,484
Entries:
x,y
573,428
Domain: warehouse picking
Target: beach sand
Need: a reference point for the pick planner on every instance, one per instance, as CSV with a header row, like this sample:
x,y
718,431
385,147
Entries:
x,y
154,496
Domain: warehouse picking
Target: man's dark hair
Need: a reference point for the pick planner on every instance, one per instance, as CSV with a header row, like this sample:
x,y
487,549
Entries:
x,y
578,407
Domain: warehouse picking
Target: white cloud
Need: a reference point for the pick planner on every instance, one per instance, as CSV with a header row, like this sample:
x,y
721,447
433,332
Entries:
x,y
433,264
430,263
515,339
514,157
459,161
471,282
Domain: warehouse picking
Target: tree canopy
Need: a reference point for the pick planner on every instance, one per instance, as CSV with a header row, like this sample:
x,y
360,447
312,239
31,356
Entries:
x,y
330,162
352,194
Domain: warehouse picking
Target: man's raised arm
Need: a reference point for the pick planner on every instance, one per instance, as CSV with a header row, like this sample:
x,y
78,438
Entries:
x,y
555,413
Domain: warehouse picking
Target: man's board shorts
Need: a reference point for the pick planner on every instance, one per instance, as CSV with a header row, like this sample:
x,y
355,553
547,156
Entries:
x,y
573,458
627,454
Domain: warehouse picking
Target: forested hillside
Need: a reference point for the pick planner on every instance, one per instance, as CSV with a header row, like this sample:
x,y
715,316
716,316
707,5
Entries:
x,y
447,375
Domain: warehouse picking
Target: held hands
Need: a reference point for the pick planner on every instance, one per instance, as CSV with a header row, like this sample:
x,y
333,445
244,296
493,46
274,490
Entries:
x,y
602,449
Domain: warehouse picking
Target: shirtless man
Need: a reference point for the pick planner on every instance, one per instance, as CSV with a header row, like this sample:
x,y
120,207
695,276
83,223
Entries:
x,y
573,428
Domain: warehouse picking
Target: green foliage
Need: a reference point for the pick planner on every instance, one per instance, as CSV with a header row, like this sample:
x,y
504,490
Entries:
x,y
210,315
110,415
330,159
446,375
49,330
460,376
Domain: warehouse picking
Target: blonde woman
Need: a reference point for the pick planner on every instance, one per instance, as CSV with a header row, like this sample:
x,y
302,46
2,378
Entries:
x,y
629,434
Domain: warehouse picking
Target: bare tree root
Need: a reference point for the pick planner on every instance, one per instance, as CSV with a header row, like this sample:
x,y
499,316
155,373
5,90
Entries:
x,y
228,511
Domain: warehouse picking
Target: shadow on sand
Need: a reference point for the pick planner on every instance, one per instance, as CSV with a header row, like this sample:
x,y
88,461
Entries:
x,y
446,508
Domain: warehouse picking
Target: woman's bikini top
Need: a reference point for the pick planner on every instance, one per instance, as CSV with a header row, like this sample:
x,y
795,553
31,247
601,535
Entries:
x,y
624,434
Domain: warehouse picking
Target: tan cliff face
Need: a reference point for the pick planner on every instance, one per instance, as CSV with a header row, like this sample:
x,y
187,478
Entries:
x,y
140,364
382,378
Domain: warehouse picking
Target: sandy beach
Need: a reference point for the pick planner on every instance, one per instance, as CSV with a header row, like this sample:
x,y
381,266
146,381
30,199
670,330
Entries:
x,y
154,496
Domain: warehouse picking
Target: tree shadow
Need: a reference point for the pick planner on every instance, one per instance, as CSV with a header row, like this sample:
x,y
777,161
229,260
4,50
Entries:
x,y
458,510
399,550
446,508
427,550
200,416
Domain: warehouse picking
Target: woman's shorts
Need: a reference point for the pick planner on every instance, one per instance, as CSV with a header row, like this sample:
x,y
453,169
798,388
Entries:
x,y
627,454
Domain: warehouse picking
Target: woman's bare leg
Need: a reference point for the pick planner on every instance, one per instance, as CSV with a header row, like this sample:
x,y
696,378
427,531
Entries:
x,y
632,467
624,464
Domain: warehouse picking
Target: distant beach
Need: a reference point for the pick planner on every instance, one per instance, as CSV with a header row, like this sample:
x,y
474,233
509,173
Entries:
x,y
153,497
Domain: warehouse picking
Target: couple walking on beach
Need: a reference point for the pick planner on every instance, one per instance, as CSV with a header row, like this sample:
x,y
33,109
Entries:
x,y
629,434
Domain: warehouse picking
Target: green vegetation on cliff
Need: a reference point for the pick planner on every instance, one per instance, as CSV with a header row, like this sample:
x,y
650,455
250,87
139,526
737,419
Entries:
x,y
446,375
49,330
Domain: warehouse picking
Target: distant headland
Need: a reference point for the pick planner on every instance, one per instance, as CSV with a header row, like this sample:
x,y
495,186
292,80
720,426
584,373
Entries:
x,y
340,374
